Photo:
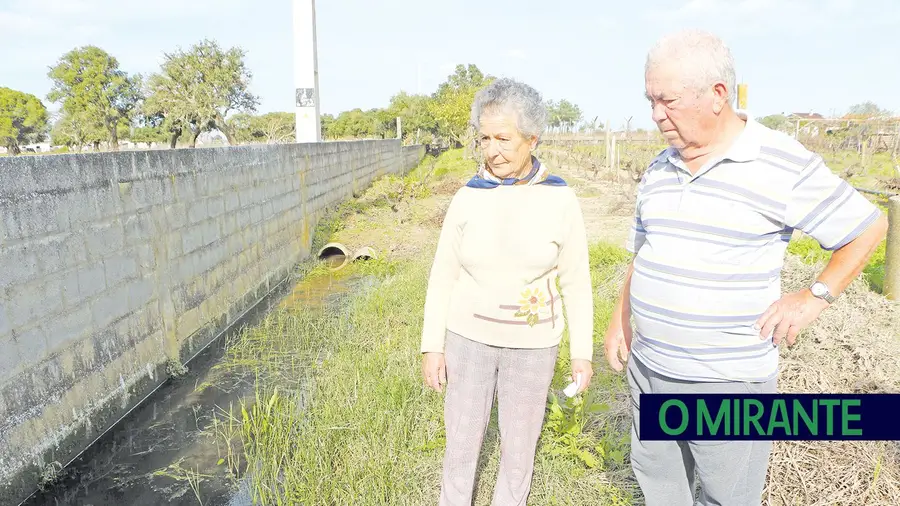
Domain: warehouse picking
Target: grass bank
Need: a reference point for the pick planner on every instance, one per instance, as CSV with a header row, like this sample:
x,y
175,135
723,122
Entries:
x,y
862,173
341,415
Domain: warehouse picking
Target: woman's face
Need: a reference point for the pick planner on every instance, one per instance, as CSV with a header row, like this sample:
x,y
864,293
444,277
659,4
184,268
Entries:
x,y
506,152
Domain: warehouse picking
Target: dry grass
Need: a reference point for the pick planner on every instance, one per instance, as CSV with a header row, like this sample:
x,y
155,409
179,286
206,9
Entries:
x,y
852,348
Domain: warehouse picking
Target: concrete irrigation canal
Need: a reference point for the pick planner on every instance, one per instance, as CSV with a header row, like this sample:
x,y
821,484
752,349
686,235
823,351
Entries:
x,y
128,264
169,450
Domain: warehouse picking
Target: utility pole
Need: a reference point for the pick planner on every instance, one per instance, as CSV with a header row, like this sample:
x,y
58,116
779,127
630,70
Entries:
x,y
306,73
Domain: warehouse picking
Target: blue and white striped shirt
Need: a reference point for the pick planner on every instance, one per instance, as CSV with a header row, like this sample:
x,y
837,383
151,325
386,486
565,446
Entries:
x,y
710,248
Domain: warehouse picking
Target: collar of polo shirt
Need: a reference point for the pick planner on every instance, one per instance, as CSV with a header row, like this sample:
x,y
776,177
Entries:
x,y
744,149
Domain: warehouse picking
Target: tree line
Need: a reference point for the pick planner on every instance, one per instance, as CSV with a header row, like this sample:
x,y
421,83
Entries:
x,y
206,88
194,91
441,117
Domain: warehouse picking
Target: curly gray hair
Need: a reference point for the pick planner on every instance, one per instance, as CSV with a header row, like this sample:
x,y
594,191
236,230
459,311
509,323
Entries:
x,y
509,95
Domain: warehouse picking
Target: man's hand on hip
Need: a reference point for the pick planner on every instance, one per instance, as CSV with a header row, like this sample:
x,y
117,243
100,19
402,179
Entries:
x,y
617,345
789,315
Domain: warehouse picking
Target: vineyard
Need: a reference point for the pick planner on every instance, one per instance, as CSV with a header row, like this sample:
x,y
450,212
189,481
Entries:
x,y
866,155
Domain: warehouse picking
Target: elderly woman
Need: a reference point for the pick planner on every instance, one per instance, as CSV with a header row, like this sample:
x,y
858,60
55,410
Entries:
x,y
512,248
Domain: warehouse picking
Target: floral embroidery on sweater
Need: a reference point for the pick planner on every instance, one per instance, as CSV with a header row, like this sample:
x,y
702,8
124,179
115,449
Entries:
x,y
534,304
530,305
535,307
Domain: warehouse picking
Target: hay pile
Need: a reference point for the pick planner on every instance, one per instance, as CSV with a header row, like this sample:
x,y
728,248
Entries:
x,y
854,346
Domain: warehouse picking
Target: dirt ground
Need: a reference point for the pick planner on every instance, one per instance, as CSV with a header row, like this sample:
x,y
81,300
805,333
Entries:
x,y
607,204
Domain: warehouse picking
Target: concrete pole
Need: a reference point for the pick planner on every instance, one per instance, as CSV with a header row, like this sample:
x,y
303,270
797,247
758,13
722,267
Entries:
x,y
399,128
891,287
306,72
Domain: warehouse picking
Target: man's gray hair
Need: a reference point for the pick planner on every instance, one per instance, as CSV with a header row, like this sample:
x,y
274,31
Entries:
x,y
703,57
511,96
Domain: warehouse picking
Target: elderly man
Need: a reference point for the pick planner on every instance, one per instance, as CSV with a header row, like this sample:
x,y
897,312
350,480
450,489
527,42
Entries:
x,y
715,212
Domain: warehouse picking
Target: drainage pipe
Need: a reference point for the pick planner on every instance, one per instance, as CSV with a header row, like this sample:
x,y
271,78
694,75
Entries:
x,y
332,250
364,253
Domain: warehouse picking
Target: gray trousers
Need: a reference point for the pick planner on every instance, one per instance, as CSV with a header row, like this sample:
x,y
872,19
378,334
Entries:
x,y
730,473
520,378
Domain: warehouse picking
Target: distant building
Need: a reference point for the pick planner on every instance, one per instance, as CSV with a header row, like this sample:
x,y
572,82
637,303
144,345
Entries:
x,y
39,147
804,116
805,123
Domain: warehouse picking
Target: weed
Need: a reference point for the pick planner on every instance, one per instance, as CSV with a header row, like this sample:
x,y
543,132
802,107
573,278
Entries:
x,y
564,433
50,474
175,369
178,472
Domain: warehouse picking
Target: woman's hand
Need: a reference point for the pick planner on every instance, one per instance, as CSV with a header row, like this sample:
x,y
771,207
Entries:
x,y
434,370
582,367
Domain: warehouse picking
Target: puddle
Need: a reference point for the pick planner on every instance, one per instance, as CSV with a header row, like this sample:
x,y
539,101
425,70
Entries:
x,y
321,290
167,451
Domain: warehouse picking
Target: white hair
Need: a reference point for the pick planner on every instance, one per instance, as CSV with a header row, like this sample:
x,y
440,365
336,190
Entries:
x,y
512,96
702,56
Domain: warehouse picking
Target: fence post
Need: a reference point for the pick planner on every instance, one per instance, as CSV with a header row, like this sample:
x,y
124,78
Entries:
x,y
615,152
891,286
608,146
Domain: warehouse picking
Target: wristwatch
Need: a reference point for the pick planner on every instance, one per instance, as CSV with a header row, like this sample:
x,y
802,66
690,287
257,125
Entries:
x,y
820,290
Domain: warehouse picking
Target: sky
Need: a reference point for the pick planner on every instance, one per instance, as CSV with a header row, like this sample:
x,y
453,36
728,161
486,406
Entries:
x,y
795,55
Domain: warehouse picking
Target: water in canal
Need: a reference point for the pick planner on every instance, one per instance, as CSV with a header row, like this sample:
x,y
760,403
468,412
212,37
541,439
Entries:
x,y
167,451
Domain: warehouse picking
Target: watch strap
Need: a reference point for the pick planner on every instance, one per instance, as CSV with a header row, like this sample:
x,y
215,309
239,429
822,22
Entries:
x,y
825,292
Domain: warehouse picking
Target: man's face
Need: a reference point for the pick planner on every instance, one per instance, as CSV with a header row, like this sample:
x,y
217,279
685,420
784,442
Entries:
x,y
686,117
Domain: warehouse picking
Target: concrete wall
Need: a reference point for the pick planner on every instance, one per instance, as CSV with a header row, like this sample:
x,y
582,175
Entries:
x,y
118,267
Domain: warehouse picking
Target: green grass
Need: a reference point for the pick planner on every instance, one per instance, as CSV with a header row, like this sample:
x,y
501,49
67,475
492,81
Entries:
x,y
449,164
809,251
879,166
366,431
391,189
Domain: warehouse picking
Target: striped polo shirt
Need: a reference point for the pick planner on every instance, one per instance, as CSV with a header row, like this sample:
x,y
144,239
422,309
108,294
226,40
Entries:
x,y
709,249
